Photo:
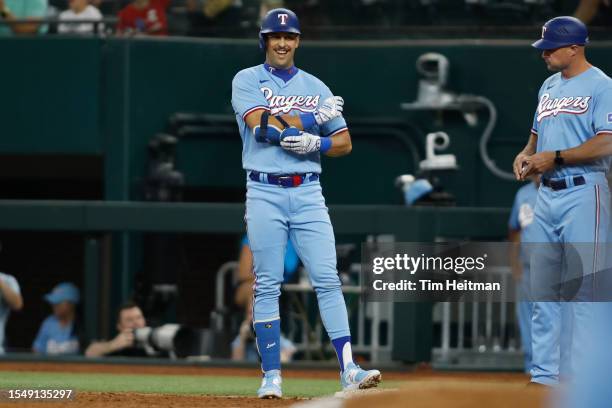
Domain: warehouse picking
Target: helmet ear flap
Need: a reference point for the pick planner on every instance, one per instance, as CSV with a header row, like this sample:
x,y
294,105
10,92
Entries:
x,y
262,42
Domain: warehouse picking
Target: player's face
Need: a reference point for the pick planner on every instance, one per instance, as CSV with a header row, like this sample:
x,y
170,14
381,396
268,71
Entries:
x,y
559,59
280,49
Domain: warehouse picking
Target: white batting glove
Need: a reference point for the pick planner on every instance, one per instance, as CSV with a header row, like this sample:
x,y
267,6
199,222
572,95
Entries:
x,y
303,144
330,109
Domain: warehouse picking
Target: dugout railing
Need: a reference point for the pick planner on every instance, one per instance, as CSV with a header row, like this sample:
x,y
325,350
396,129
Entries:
x,y
100,221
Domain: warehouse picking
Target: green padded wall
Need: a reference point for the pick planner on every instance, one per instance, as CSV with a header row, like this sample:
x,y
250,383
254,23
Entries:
x,y
110,96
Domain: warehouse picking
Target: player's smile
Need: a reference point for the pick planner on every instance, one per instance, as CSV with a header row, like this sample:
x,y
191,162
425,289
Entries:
x,y
281,49
281,52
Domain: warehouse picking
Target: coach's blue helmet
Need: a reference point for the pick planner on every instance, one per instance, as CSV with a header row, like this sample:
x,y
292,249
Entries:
x,y
279,20
561,32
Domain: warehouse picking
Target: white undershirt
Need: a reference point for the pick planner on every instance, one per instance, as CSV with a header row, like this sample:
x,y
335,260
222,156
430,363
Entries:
x,y
89,13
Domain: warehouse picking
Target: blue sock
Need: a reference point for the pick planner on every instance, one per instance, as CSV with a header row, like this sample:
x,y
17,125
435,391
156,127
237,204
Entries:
x,y
343,351
268,344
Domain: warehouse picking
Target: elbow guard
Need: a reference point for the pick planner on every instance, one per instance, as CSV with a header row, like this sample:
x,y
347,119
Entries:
x,y
265,133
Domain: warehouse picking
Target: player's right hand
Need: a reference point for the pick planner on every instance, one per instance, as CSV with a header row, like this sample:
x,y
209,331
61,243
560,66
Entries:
x,y
331,108
519,162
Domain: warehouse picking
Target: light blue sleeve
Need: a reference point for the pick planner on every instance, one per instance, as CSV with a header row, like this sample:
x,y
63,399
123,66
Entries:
x,y
534,125
335,125
246,95
40,342
602,112
513,221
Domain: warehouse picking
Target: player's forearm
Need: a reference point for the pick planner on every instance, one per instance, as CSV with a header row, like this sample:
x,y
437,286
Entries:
x,y
531,146
12,298
341,145
254,119
595,148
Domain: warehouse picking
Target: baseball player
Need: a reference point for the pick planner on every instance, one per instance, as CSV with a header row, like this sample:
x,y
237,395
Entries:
x,y
520,229
570,145
287,118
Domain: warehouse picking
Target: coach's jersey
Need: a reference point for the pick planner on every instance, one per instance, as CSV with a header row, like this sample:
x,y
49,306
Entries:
x,y
255,88
571,111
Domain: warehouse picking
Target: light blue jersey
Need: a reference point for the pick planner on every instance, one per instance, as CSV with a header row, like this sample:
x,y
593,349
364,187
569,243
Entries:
x,y
571,111
5,311
522,218
522,215
254,89
54,338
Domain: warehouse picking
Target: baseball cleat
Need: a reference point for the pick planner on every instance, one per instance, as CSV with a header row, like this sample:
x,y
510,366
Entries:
x,y
270,385
355,378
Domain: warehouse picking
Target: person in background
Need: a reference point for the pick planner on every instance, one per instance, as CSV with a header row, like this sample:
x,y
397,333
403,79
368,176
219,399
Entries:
x,y
520,226
144,17
58,333
80,10
10,299
129,317
11,10
596,12
215,18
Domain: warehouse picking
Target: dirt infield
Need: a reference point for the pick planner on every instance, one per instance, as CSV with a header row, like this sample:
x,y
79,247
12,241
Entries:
x,y
135,400
421,388
459,394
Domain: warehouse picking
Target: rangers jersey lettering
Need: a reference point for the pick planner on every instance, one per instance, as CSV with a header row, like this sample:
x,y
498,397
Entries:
x,y
573,105
284,104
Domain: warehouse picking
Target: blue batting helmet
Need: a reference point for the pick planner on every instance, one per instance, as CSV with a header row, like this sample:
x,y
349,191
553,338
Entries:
x,y
279,20
561,32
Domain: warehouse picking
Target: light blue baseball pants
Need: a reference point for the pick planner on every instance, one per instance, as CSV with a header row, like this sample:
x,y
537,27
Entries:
x,y
275,214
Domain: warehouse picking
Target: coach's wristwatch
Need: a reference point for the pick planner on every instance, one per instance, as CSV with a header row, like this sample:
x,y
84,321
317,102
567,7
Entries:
x,y
559,161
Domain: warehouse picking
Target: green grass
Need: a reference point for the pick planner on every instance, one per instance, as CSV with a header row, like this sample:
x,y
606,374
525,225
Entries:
x,y
171,384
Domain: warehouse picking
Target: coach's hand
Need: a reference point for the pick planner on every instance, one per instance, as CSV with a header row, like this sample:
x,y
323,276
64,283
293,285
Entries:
x,y
538,164
519,163
303,144
331,108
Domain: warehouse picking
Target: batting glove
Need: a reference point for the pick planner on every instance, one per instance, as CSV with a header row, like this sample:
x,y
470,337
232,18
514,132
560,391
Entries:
x,y
303,144
330,109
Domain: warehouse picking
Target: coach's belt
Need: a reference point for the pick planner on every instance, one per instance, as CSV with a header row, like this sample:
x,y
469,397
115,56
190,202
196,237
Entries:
x,y
562,184
283,180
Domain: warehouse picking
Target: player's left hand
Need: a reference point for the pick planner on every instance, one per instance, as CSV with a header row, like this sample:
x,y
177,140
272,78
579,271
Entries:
x,y
538,164
331,108
303,144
